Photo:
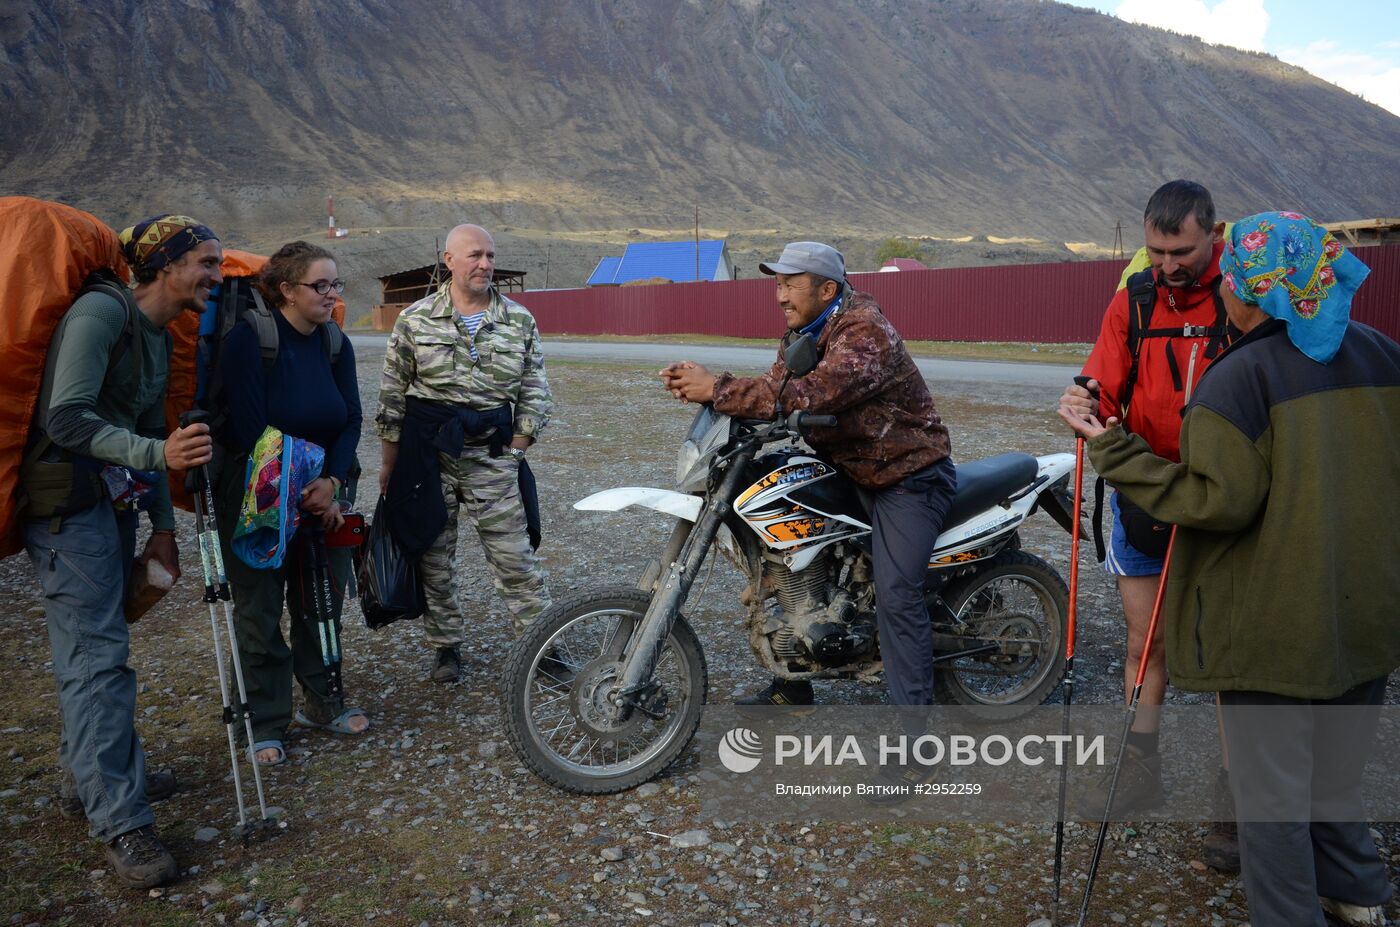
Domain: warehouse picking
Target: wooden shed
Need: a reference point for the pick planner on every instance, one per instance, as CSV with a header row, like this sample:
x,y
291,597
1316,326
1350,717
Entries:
x,y
403,288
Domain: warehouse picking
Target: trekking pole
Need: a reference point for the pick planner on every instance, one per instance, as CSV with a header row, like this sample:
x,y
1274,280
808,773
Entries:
x,y
1069,669
327,628
1127,726
216,590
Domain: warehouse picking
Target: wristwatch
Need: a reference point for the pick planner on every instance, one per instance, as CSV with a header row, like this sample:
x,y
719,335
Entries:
x,y
518,453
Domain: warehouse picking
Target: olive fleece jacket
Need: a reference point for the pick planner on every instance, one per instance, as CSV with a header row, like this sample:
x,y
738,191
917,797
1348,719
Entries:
x,y
1285,575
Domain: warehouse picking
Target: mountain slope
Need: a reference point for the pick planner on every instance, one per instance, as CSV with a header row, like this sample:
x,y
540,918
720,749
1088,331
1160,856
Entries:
x,y
953,117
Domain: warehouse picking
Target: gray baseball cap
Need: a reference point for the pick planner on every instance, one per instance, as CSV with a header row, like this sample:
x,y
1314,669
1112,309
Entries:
x,y
808,257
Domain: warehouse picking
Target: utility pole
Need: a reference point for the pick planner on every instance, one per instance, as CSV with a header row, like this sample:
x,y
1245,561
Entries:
x,y
1118,239
549,249
697,242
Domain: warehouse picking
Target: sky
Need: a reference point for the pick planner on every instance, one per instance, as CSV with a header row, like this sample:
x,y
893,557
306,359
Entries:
x,y
1355,44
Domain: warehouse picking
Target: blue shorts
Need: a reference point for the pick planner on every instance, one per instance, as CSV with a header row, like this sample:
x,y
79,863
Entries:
x,y
1122,558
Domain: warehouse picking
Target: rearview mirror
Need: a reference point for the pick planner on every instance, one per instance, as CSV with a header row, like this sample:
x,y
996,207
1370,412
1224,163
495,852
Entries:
x,y
800,356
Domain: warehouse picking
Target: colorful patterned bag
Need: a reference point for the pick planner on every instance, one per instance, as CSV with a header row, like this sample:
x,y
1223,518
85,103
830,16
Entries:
x,y
278,469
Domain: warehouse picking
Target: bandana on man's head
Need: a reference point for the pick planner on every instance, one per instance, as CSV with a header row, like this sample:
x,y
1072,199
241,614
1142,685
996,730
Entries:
x,y
155,242
1294,270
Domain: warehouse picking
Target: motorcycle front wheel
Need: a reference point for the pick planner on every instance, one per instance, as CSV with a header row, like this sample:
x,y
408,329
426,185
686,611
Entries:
x,y
1020,602
560,672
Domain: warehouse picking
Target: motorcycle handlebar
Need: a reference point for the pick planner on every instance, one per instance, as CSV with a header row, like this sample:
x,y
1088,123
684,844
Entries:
x,y
800,421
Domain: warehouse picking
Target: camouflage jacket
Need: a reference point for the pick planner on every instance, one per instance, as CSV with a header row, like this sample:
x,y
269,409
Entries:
x,y
428,356
886,425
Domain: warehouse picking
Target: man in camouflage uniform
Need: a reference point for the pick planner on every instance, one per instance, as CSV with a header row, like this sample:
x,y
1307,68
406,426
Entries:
x,y
468,351
888,438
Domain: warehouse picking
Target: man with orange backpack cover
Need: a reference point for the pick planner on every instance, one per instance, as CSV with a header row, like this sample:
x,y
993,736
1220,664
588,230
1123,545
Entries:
x,y
98,445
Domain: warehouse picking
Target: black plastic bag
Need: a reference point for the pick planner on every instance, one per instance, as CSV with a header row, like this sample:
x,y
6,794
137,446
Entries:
x,y
390,587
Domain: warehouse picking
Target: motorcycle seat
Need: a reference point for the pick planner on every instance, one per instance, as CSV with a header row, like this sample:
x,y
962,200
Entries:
x,y
983,483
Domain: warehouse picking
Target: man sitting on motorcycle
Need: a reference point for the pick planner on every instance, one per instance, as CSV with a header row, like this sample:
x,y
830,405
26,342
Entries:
x,y
888,439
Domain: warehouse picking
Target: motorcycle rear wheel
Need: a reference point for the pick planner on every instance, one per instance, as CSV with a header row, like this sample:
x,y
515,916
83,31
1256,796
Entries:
x,y
1020,599
554,706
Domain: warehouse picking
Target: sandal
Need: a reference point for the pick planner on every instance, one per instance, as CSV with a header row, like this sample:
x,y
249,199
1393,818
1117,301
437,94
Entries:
x,y
262,745
340,724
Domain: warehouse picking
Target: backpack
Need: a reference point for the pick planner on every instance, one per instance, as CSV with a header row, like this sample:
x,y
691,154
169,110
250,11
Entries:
x,y
1142,298
238,300
196,380
1144,532
49,254
59,482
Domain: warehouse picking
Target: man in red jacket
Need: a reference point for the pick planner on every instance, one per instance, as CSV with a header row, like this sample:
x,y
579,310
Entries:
x,y
1178,322
888,438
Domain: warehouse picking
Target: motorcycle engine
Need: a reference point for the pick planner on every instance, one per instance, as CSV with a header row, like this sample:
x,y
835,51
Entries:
x,y
803,627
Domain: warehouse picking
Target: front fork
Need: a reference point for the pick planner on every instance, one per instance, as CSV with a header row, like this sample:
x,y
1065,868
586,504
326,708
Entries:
x,y
684,557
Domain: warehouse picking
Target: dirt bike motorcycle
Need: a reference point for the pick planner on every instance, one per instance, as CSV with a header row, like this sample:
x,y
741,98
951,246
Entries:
x,y
605,688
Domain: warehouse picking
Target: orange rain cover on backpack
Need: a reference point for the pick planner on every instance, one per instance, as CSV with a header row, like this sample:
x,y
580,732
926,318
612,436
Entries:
x,y
179,395
47,250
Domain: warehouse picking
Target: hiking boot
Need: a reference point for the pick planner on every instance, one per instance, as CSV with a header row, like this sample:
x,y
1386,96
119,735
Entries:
x,y
1354,915
1220,850
448,668
779,693
1139,787
160,785
141,860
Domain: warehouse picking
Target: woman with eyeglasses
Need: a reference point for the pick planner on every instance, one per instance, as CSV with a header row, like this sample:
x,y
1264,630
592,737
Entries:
x,y
308,391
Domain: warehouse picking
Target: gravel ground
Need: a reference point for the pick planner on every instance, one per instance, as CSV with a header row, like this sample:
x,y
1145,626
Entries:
x,y
430,819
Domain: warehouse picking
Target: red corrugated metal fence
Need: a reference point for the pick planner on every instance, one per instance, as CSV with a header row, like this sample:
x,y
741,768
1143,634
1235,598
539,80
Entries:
x,y
1044,303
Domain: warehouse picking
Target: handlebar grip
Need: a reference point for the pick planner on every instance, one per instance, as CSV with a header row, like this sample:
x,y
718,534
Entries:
x,y
193,417
817,421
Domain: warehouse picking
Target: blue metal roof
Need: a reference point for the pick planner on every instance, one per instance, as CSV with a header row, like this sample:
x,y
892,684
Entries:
x,y
605,271
669,260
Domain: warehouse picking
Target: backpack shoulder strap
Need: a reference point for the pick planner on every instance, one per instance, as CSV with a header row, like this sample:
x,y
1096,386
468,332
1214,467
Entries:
x,y
264,326
102,281
1223,333
1142,297
105,282
333,337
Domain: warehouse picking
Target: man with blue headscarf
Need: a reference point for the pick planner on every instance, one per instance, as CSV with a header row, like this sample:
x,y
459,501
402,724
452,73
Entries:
x,y
1283,590
100,416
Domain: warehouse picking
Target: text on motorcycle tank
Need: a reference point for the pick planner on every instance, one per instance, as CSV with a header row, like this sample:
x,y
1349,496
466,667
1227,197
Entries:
x,y
806,470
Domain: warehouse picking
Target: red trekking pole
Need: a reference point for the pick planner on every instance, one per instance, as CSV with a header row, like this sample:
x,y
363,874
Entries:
x,y
1127,726
1069,668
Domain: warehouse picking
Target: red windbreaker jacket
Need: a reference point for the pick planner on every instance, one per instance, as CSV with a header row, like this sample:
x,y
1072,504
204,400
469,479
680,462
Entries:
x,y
1156,405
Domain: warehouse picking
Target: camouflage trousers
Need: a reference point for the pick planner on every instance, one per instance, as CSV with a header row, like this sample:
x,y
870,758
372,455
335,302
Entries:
x,y
487,490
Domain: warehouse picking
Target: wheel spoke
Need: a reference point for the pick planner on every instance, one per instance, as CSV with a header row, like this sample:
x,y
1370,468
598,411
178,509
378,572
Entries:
x,y
1017,612
572,720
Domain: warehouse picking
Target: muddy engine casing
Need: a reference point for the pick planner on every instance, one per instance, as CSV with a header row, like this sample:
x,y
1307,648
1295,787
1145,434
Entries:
x,y
802,510
802,626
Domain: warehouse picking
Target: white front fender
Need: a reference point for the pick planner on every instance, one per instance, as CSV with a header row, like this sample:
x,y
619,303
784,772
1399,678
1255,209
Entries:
x,y
665,501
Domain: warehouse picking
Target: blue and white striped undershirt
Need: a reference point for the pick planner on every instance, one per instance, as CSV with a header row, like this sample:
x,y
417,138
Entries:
x,y
469,325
